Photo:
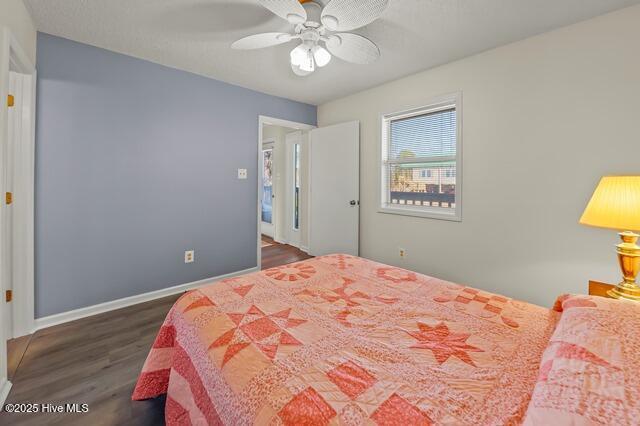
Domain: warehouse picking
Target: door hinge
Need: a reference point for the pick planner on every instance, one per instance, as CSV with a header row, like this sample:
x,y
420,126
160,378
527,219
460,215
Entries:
x,y
10,100
8,197
8,296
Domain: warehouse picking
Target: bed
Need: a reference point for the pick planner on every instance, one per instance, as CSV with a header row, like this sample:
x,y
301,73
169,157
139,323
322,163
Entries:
x,y
342,340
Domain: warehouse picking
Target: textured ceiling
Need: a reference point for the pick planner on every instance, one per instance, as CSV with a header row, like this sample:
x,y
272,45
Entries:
x,y
195,35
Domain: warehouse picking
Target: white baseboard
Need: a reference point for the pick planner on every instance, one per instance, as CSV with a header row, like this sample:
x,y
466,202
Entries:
x,y
289,243
76,314
5,387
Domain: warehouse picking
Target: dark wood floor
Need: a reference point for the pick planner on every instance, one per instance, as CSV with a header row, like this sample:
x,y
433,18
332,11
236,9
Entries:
x,y
280,254
97,360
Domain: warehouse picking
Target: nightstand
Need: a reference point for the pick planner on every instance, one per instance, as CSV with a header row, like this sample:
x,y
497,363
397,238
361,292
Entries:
x,y
596,288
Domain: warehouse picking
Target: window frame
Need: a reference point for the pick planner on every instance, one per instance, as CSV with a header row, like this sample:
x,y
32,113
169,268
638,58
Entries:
x,y
384,205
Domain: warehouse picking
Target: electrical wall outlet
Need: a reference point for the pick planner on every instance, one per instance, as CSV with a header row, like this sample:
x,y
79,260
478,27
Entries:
x,y
189,256
402,253
242,173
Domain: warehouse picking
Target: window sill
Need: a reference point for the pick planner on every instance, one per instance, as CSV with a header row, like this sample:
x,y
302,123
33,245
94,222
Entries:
x,y
433,213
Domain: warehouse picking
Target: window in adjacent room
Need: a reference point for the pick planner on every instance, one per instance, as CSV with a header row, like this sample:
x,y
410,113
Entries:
x,y
421,160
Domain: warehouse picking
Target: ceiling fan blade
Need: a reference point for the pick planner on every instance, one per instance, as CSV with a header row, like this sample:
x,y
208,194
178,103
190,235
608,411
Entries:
x,y
258,41
291,10
353,48
347,15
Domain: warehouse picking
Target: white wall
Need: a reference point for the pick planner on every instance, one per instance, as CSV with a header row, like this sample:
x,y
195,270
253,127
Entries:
x,y
543,119
14,15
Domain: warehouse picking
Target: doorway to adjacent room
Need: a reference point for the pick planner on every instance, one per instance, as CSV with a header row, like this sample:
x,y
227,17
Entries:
x,y
308,187
283,188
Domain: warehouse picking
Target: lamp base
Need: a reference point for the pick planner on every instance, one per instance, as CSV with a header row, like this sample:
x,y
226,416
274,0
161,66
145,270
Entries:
x,y
625,291
629,260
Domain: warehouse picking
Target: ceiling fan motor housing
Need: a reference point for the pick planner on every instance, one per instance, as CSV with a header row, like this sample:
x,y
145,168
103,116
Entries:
x,y
314,12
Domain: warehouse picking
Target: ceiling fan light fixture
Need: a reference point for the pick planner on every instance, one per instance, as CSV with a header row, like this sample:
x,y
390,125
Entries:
x,y
321,56
315,22
308,64
297,71
302,57
298,55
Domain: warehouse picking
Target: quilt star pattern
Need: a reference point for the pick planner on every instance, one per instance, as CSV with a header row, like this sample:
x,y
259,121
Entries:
x,y
266,331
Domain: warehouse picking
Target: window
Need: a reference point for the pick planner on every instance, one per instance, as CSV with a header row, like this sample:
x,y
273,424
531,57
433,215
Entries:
x,y
420,168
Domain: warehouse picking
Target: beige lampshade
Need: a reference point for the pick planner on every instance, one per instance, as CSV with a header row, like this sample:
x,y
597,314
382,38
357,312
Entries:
x,y
615,204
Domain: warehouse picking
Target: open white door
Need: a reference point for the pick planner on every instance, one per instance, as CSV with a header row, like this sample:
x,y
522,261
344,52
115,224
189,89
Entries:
x,y
17,78
335,187
14,128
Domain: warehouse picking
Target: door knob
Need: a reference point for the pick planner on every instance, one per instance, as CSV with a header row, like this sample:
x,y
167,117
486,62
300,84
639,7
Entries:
x,y
352,202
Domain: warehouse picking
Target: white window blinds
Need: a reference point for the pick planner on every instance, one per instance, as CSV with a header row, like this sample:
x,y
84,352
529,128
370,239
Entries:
x,y
429,137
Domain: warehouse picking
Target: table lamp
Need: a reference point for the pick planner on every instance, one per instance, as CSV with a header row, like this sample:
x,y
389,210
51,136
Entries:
x,y
615,204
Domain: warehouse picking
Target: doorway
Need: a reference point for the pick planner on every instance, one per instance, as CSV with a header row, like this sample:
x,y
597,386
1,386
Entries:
x,y
314,189
281,186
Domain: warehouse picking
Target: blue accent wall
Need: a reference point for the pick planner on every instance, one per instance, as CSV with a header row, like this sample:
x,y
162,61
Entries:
x,y
136,163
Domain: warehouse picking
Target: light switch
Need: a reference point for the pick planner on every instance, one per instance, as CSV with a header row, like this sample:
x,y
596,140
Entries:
x,y
242,173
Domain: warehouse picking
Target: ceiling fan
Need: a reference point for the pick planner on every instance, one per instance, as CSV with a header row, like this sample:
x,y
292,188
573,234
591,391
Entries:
x,y
315,26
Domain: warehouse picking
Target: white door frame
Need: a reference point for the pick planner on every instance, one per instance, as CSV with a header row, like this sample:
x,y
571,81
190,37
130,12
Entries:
x,y
269,143
13,57
262,120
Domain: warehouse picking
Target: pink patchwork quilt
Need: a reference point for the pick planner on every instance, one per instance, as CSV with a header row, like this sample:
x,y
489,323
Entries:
x,y
343,340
